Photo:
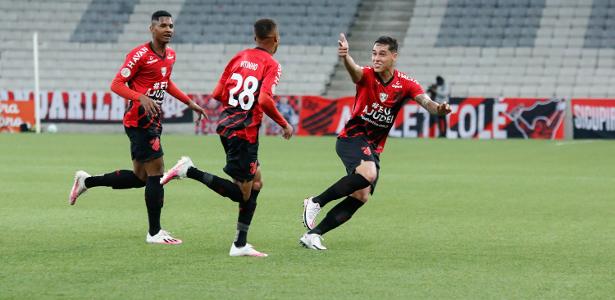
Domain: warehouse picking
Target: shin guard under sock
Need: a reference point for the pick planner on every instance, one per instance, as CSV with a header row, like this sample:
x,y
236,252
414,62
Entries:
x,y
246,213
154,200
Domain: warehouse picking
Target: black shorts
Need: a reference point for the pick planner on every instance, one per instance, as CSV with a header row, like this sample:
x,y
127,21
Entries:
x,y
241,158
352,150
144,143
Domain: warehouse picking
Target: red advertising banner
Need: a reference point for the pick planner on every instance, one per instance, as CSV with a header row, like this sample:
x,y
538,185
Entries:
x,y
593,118
478,118
15,112
535,118
471,118
321,116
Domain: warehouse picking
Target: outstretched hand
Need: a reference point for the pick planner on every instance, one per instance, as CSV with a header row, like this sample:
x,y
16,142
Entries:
x,y
444,109
342,49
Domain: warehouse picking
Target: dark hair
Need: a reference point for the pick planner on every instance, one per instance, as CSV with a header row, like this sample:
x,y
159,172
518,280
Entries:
x,y
159,14
387,40
263,28
439,79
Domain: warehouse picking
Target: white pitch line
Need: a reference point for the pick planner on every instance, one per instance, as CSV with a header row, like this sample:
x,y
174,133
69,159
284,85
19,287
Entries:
x,y
573,143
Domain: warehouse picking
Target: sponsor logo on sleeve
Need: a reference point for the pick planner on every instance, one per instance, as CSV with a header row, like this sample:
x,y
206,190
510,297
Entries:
x,y
125,72
135,58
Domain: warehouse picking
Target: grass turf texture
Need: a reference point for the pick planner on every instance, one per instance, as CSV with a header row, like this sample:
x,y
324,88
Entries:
x,y
450,219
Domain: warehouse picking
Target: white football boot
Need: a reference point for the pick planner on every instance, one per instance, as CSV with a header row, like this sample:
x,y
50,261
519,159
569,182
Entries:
x,y
312,241
247,250
78,186
162,237
310,212
178,171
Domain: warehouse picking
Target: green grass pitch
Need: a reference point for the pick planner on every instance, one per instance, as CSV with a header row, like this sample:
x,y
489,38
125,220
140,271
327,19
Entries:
x,y
450,219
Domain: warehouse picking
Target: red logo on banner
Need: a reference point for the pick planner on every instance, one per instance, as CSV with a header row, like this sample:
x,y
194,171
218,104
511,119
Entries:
x,y
322,116
537,118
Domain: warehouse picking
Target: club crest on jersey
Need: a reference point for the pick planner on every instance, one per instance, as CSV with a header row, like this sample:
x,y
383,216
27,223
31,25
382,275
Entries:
x,y
163,70
383,97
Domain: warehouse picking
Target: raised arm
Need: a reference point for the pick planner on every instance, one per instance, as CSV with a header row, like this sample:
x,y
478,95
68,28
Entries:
x,y
353,69
431,106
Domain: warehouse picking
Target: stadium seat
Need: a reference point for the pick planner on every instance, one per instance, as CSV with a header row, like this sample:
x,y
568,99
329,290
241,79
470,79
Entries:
x,y
544,48
83,43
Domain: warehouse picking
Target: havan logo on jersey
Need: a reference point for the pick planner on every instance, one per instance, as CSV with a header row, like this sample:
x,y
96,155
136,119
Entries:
x,y
135,58
378,115
126,71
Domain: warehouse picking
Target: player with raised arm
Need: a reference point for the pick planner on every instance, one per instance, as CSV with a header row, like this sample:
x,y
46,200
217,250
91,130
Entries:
x,y
143,80
381,91
246,90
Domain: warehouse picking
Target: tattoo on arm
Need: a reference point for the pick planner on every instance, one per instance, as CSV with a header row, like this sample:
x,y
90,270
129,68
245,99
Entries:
x,y
427,103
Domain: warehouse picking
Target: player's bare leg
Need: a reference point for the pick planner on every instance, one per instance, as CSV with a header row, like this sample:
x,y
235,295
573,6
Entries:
x,y
246,188
138,168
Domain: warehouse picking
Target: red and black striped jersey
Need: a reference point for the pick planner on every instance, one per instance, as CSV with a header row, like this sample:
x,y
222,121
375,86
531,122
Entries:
x,y
377,104
149,74
249,74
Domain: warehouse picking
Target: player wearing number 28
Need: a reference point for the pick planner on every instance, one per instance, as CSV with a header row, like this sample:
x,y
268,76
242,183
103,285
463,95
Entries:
x,y
246,90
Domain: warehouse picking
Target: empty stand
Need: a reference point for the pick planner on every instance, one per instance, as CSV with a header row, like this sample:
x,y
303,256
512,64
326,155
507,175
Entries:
x,y
83,43
530,48
527,48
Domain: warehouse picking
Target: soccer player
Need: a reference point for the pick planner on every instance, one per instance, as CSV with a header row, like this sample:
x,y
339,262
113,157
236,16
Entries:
x,y
147,71
246,90
381,92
